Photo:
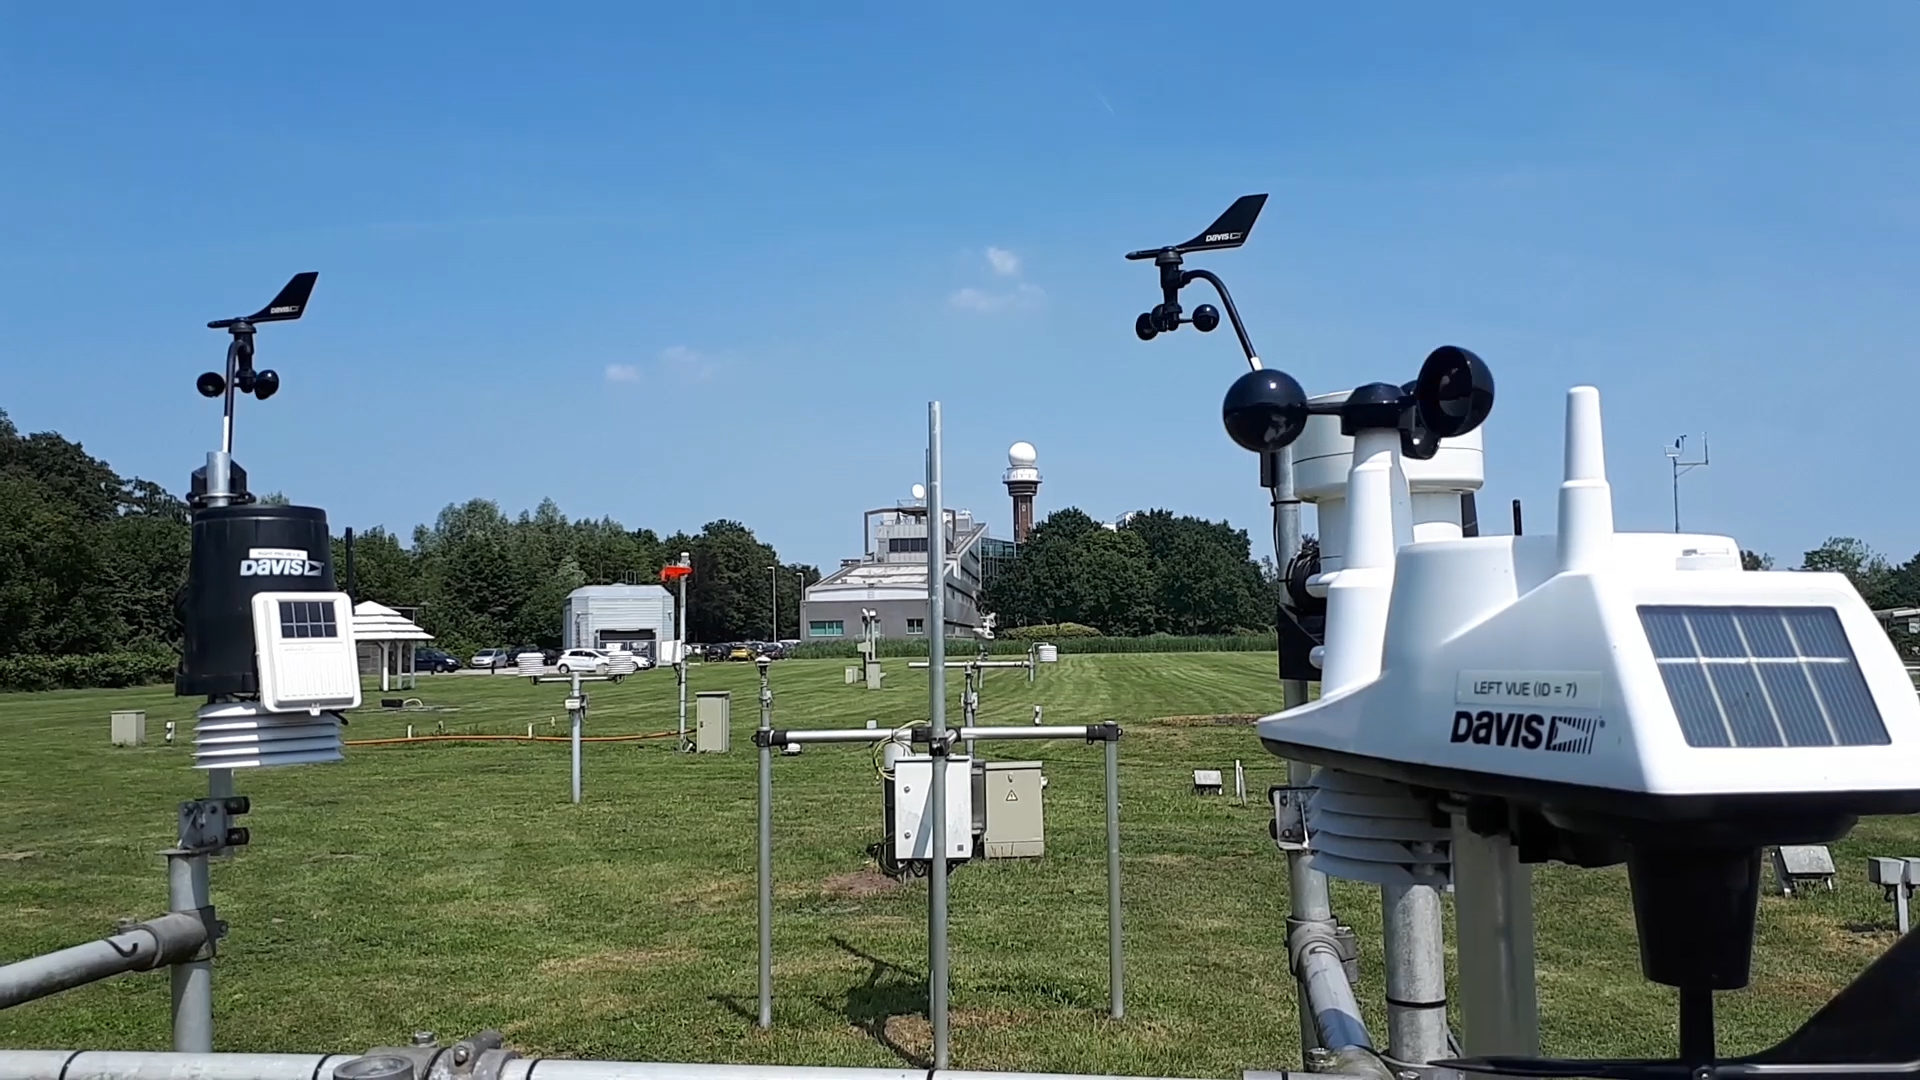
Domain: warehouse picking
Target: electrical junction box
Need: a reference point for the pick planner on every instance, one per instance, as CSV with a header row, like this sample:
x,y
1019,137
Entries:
x,y
713,715
1016,814
129,727
303,643
912,781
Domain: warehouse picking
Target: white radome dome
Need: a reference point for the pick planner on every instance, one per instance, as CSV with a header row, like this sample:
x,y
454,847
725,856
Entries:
x,y
1021,455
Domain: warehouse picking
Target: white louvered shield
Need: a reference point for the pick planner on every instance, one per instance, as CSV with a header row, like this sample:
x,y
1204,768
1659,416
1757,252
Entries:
x,y
243,735
1364,829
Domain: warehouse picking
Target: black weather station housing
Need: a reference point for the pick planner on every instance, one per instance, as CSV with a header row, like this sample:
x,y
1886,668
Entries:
x,y
240,547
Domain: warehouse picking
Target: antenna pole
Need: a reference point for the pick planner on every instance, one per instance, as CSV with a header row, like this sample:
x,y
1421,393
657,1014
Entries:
x,y
1681,467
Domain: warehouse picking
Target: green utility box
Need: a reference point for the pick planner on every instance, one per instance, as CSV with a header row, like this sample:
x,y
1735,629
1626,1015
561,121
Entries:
x,y
1016,810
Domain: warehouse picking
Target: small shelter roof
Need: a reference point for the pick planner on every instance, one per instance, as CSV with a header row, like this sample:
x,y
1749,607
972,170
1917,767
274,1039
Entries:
x,y
377,622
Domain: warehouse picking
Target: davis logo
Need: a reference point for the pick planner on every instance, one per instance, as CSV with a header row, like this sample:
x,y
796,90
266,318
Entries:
x,y
1526,731
301,567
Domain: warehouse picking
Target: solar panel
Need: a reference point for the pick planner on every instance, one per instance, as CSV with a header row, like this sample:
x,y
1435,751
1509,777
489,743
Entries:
x,y
1762,676
308,619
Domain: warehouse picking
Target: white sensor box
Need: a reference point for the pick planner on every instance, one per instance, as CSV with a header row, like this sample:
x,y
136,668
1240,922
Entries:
x,y
912,829
303,645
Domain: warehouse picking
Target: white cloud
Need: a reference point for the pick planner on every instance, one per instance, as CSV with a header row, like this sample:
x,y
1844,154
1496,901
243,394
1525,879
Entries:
x,y
675,363
687,364
1019,294
1025,295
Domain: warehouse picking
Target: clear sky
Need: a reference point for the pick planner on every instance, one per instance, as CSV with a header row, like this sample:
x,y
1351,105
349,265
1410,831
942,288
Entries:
x,y
679,262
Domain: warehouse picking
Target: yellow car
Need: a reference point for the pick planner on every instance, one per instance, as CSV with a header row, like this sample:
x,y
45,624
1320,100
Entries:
x,y
740,652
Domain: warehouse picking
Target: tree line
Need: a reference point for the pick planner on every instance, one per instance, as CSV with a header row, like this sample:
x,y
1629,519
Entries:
x,y
91,563
1153,573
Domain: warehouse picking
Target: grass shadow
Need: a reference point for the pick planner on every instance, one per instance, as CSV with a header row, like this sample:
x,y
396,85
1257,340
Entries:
x,y
889,991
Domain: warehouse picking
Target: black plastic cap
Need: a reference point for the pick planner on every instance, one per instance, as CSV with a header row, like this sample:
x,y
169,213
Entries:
x,y
1371,407
1264,411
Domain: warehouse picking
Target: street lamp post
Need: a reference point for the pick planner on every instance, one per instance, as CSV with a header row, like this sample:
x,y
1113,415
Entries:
x,y
799,600
775,571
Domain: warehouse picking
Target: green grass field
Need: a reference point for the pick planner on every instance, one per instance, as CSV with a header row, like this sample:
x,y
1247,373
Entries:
x,y
453,887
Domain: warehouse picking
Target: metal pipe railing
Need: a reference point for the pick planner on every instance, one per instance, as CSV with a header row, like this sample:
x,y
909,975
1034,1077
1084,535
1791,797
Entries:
x,y
1329,998
164,1065
1036,731
148,945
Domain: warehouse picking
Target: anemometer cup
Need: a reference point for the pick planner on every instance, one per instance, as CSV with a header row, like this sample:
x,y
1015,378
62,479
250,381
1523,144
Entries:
x,y
1264,411
211,384
1454,393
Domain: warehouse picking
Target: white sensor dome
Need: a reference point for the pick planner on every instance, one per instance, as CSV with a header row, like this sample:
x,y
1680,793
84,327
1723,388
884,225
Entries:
x,y
1021,455
919,491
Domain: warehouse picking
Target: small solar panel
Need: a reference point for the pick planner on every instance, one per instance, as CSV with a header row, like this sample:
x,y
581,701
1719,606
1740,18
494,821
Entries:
x,y
1762,676
308,619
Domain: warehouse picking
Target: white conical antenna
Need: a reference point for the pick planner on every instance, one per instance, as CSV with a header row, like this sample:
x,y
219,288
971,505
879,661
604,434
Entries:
x,y
1586,499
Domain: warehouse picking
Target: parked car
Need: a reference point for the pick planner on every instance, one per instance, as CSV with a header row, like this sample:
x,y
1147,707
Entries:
x,y
584,660
491,659
434,661
549,657
741,651
641,661
714,654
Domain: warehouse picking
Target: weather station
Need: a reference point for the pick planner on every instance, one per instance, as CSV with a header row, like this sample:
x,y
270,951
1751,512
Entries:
x,y
1488,704
1591,697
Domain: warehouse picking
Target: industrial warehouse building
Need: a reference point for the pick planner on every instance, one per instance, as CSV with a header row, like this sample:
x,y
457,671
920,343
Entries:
x,y
638,617
890,578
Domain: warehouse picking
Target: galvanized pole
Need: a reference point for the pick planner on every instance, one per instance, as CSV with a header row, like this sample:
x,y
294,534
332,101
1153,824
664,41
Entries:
x,y
1493,918
187,892
1116,955
1311,903
970,702
681,667
576,712
766,851
1307,888
937,710
220,493
1416,973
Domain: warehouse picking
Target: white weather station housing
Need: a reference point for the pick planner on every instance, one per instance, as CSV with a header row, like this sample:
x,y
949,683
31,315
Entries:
x,y
1592,697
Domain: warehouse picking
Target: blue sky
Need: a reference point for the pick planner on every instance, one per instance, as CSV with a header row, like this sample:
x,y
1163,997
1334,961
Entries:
x,y
564,247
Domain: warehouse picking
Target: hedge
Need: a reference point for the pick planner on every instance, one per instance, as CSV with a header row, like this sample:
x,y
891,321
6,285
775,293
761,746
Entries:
x,y
1051,631
87,671
962,648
